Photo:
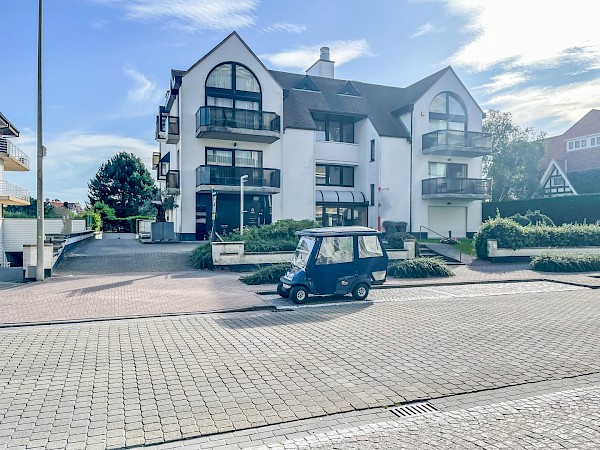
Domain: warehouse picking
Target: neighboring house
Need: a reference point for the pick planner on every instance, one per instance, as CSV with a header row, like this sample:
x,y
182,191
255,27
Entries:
x,y
11,159
312,146
572,160
65,209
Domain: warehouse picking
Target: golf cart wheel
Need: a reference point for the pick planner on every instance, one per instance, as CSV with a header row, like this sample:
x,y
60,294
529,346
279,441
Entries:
x,y
299,294
284,293
360,291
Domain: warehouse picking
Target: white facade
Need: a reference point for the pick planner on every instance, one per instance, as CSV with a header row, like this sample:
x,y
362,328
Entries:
x,y
379,153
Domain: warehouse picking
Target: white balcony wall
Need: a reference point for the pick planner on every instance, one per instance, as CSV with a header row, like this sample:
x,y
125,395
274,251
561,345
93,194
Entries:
x,y
336,153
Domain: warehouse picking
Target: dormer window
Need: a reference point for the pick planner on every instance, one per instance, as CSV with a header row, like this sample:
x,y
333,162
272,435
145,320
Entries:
x,y
233,85
447,112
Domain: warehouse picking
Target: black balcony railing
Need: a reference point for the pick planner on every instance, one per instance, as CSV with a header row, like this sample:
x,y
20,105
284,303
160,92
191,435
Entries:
x,y
461,186
453,138
217,116
230,176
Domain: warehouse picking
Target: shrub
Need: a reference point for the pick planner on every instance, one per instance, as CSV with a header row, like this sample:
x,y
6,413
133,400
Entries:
x,y
266,275
201,257
396,240
537,218
420,268
278,236
92,220
510,234
521,219
566,263
394,227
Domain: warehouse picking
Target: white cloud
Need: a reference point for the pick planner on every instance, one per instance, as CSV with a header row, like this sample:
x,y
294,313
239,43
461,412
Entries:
x,y
191,15
564,104
285,27
143,98
526,34
424,29
504,81
74,158
303,57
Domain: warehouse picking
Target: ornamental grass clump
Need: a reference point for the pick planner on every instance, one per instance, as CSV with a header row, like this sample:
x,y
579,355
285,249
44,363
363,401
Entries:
x,y
420,268
566,263
266,275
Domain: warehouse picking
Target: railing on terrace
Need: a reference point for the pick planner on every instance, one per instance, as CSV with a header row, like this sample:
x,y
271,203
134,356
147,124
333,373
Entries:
x,y
455,138
8,189
230,176
218,116
471,186
14,152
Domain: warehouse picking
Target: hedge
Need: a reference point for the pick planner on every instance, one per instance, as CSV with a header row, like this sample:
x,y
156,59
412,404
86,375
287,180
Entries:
x,y
122,225
510,234
396,240
566,263
565,209
420,268
201,257
266,275
586,181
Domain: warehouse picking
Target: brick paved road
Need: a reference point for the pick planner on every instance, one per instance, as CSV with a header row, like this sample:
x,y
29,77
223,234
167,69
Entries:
x,y
146,381
569,419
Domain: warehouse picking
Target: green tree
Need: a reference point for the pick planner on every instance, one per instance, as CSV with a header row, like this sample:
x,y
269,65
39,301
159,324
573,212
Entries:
x,y
513,165
29,211
122,183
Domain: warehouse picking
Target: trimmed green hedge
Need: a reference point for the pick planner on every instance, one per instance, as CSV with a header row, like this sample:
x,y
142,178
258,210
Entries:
x,y
276,237
420,268
566,209
266,275
201,257
396,240
510,234
586,181
566,263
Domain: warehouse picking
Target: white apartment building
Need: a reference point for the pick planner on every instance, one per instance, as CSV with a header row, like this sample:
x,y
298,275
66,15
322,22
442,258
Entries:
x,y
316,147
11,159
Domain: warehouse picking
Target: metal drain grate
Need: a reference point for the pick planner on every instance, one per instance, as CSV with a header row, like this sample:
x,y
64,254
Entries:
x,y
413,409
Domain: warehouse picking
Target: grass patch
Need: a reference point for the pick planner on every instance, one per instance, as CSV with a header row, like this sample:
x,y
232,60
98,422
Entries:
x,y
420,268
566,263
266,275
467,246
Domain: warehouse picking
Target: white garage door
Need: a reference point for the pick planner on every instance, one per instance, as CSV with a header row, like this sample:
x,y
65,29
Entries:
x,y
448,218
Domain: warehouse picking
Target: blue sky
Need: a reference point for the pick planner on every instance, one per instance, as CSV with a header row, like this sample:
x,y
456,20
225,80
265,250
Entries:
x,y
107,62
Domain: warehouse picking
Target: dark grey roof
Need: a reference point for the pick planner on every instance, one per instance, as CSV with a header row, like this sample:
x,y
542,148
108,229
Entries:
x,y
380,103
7,128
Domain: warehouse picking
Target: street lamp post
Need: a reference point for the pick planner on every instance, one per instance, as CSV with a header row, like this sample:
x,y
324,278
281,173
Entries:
x,y
243,179
39,269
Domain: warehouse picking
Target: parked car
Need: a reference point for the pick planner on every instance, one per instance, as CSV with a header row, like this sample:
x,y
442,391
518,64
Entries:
x,y
335,260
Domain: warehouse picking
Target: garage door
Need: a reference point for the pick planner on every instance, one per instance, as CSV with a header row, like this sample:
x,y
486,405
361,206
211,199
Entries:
x,y
448,218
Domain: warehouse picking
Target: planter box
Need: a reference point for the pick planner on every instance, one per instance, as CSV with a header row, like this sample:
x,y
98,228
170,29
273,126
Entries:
x,y
507,254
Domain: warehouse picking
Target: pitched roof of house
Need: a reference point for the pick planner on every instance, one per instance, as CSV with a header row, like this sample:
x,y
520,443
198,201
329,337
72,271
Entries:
x,y
380,103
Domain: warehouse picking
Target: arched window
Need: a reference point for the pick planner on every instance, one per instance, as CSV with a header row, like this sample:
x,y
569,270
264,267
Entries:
x,y
233,85
447,112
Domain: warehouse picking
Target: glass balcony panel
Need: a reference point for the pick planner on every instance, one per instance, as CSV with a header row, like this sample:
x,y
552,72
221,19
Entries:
x,y
230,176
456,142
216,116
476,187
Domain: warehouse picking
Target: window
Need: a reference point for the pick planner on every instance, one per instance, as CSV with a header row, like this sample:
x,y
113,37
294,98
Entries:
x,y
238,158
330,175
447,170
372,149
577,144
334,128
447,112
336,250
582,143
571,145
232,85
342,216
372,202
369,247
592,142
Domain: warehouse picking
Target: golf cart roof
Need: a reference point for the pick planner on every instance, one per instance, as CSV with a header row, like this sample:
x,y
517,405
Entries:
x,y
337,231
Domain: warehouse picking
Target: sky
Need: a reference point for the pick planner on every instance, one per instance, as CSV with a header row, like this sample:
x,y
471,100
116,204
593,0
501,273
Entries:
x,y
107,62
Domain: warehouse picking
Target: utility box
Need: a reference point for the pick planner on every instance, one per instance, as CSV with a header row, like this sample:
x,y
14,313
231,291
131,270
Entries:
x,y
30,261
162,231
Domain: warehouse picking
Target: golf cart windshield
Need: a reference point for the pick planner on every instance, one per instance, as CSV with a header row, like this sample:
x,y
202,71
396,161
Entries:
x,y
303,250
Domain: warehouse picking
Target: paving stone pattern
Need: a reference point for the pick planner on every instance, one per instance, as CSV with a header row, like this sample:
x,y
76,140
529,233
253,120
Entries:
x,y
569,419
134,382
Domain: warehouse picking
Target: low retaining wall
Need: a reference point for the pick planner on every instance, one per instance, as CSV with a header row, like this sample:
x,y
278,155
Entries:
x,y
496,254
227,254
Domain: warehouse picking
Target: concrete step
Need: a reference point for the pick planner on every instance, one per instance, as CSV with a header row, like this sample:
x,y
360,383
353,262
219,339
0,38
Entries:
x,y
429,253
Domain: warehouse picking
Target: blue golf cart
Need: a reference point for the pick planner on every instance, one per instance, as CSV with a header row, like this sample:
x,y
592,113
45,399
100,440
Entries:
x,y
335,260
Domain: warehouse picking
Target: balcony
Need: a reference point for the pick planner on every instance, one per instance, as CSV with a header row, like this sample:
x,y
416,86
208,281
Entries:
x,y
11,194
227,179
459,188
216,122
167,129
172,180
14,159
457,143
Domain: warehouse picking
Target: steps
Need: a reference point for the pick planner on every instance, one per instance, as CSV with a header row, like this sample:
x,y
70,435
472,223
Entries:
x,y
427,252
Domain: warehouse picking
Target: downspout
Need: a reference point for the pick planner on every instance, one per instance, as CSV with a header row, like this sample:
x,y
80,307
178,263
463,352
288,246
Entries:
x,y
411,174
